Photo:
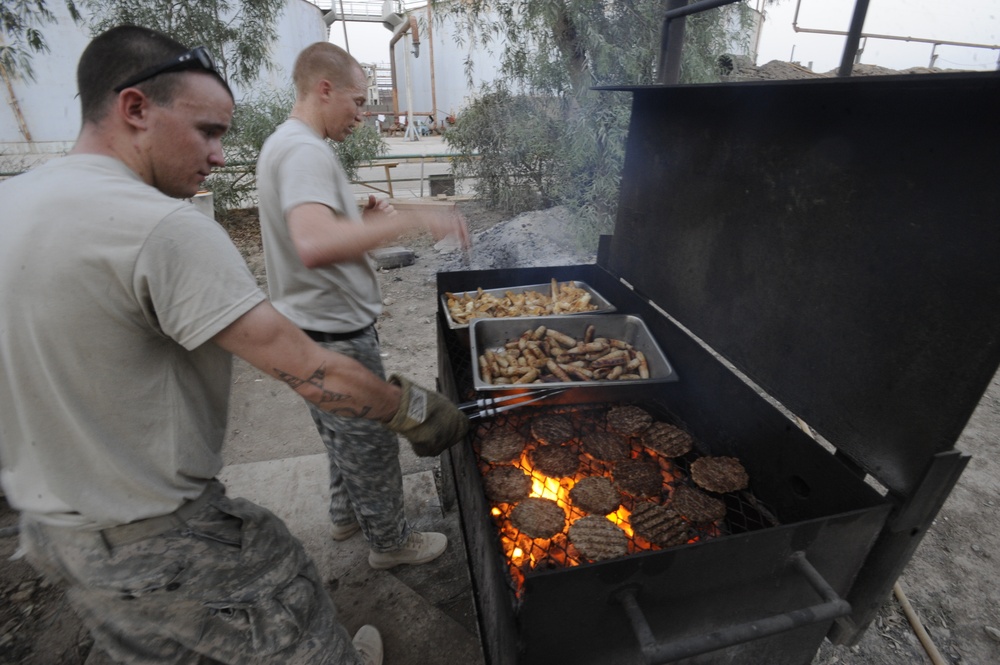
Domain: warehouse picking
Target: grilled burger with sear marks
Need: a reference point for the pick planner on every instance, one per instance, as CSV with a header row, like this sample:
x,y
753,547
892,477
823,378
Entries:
x,y
667,440
598,538
638,477
538,518
697,506
502,445
659,524
629,420
719,474
553,430
595,495
555,461
605,446
506,484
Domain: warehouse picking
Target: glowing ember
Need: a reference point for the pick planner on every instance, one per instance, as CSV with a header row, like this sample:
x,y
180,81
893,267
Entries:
x,y
525,554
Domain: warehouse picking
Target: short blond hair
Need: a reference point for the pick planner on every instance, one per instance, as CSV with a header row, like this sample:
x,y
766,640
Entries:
x,y
323,60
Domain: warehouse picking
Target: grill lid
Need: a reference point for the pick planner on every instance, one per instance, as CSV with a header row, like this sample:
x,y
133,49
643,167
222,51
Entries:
x,y
836,240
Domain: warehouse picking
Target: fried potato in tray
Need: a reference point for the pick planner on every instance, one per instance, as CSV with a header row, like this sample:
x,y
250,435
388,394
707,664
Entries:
x,y
565,298
545,355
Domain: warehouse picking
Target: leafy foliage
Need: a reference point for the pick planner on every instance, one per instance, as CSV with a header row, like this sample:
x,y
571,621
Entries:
x,y
554,52
238,32
235,185
22,37
362,146
507,142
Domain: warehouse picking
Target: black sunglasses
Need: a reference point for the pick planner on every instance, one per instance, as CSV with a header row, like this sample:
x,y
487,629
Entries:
x,y
196,58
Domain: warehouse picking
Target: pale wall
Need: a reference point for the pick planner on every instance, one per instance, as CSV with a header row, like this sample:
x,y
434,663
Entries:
x,y
51,110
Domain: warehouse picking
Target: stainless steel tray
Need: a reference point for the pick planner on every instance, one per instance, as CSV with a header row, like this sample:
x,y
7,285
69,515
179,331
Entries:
x,y
493,334
603,306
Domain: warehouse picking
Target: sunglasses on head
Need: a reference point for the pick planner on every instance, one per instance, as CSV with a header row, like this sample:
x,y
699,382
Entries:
x,y
197,58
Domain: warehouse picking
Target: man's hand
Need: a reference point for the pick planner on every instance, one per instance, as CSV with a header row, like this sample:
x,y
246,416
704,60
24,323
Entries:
x,y
427,419
378,207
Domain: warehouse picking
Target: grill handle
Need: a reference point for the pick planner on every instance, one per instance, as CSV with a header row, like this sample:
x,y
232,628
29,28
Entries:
x,y
657,653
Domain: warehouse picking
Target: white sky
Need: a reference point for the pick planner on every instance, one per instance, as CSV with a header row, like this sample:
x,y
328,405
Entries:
x,y
973,21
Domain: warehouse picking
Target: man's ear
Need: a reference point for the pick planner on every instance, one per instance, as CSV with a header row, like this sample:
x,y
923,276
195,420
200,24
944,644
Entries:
x,y
324,88
133,107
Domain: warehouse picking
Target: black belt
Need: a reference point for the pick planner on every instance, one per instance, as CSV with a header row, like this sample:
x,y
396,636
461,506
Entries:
x,y
318,336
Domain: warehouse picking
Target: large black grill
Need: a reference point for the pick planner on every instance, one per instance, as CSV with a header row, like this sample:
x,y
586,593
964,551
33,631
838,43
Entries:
x,y
808,251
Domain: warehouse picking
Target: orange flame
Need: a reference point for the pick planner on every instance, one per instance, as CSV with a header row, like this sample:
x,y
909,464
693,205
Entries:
x,y
523,553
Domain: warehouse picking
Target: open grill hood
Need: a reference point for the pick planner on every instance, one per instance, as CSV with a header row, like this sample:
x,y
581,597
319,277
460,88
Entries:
x,y
836,242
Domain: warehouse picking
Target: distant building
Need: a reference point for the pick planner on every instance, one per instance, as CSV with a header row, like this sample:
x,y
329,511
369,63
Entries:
x,y
41,118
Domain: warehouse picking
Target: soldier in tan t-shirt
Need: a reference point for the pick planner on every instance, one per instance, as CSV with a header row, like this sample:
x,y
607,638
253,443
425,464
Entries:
x,y
120,309
316,243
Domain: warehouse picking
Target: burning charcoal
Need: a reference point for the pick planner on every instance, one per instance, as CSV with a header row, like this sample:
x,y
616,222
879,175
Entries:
x,y
696,505
629,420
659,524
506,484
667,440
605,446
502,445
538,518
595,495
638,477
598,538
555,461
719,474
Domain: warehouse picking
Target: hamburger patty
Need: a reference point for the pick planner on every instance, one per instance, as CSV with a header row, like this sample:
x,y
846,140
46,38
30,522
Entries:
x,y
719,474
553,430
697,506
659,524
598,538
506,484
595,495
538,518
555,461
638,477
502,445
605,446
667,440
628,420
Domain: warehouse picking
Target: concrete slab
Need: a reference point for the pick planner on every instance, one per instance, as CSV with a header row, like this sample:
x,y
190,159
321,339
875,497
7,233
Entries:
x,y
266,420
425,613
392,257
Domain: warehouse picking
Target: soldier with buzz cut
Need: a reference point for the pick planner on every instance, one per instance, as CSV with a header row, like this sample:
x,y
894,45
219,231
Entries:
x,y
121,306
316,242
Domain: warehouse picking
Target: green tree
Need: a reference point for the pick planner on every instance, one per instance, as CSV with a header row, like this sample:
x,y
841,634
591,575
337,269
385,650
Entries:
x,y
22,37
563,49
239,33
234,186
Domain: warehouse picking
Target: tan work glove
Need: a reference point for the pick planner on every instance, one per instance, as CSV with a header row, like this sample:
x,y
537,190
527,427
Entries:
x,y
427,419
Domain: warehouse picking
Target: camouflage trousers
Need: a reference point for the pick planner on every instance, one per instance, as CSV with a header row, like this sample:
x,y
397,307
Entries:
x,y
366,481
231,585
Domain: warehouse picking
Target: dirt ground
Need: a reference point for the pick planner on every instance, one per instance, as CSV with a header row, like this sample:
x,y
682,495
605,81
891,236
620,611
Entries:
x,y
951,582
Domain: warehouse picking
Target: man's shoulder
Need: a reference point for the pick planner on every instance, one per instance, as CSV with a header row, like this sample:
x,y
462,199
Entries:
x,y
291,138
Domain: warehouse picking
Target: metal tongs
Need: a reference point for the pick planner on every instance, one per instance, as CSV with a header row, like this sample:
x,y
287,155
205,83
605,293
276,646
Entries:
x,y
486,407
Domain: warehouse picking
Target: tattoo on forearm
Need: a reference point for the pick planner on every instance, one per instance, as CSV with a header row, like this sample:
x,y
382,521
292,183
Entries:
x,y
328,399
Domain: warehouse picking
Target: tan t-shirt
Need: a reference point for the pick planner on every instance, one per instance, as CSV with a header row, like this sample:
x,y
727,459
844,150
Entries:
x,y
112,398
296,166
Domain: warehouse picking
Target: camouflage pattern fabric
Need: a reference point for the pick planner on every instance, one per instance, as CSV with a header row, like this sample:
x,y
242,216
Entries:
x,y
229,586
366,481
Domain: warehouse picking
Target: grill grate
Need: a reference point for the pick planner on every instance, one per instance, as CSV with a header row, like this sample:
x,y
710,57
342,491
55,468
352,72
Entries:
x,y
525,555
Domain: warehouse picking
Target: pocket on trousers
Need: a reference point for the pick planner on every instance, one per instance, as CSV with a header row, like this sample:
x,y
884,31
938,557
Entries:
x,y
273,623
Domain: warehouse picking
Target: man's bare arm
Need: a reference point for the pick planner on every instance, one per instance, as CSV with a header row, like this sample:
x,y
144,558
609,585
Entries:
x,y
334,382
322,237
